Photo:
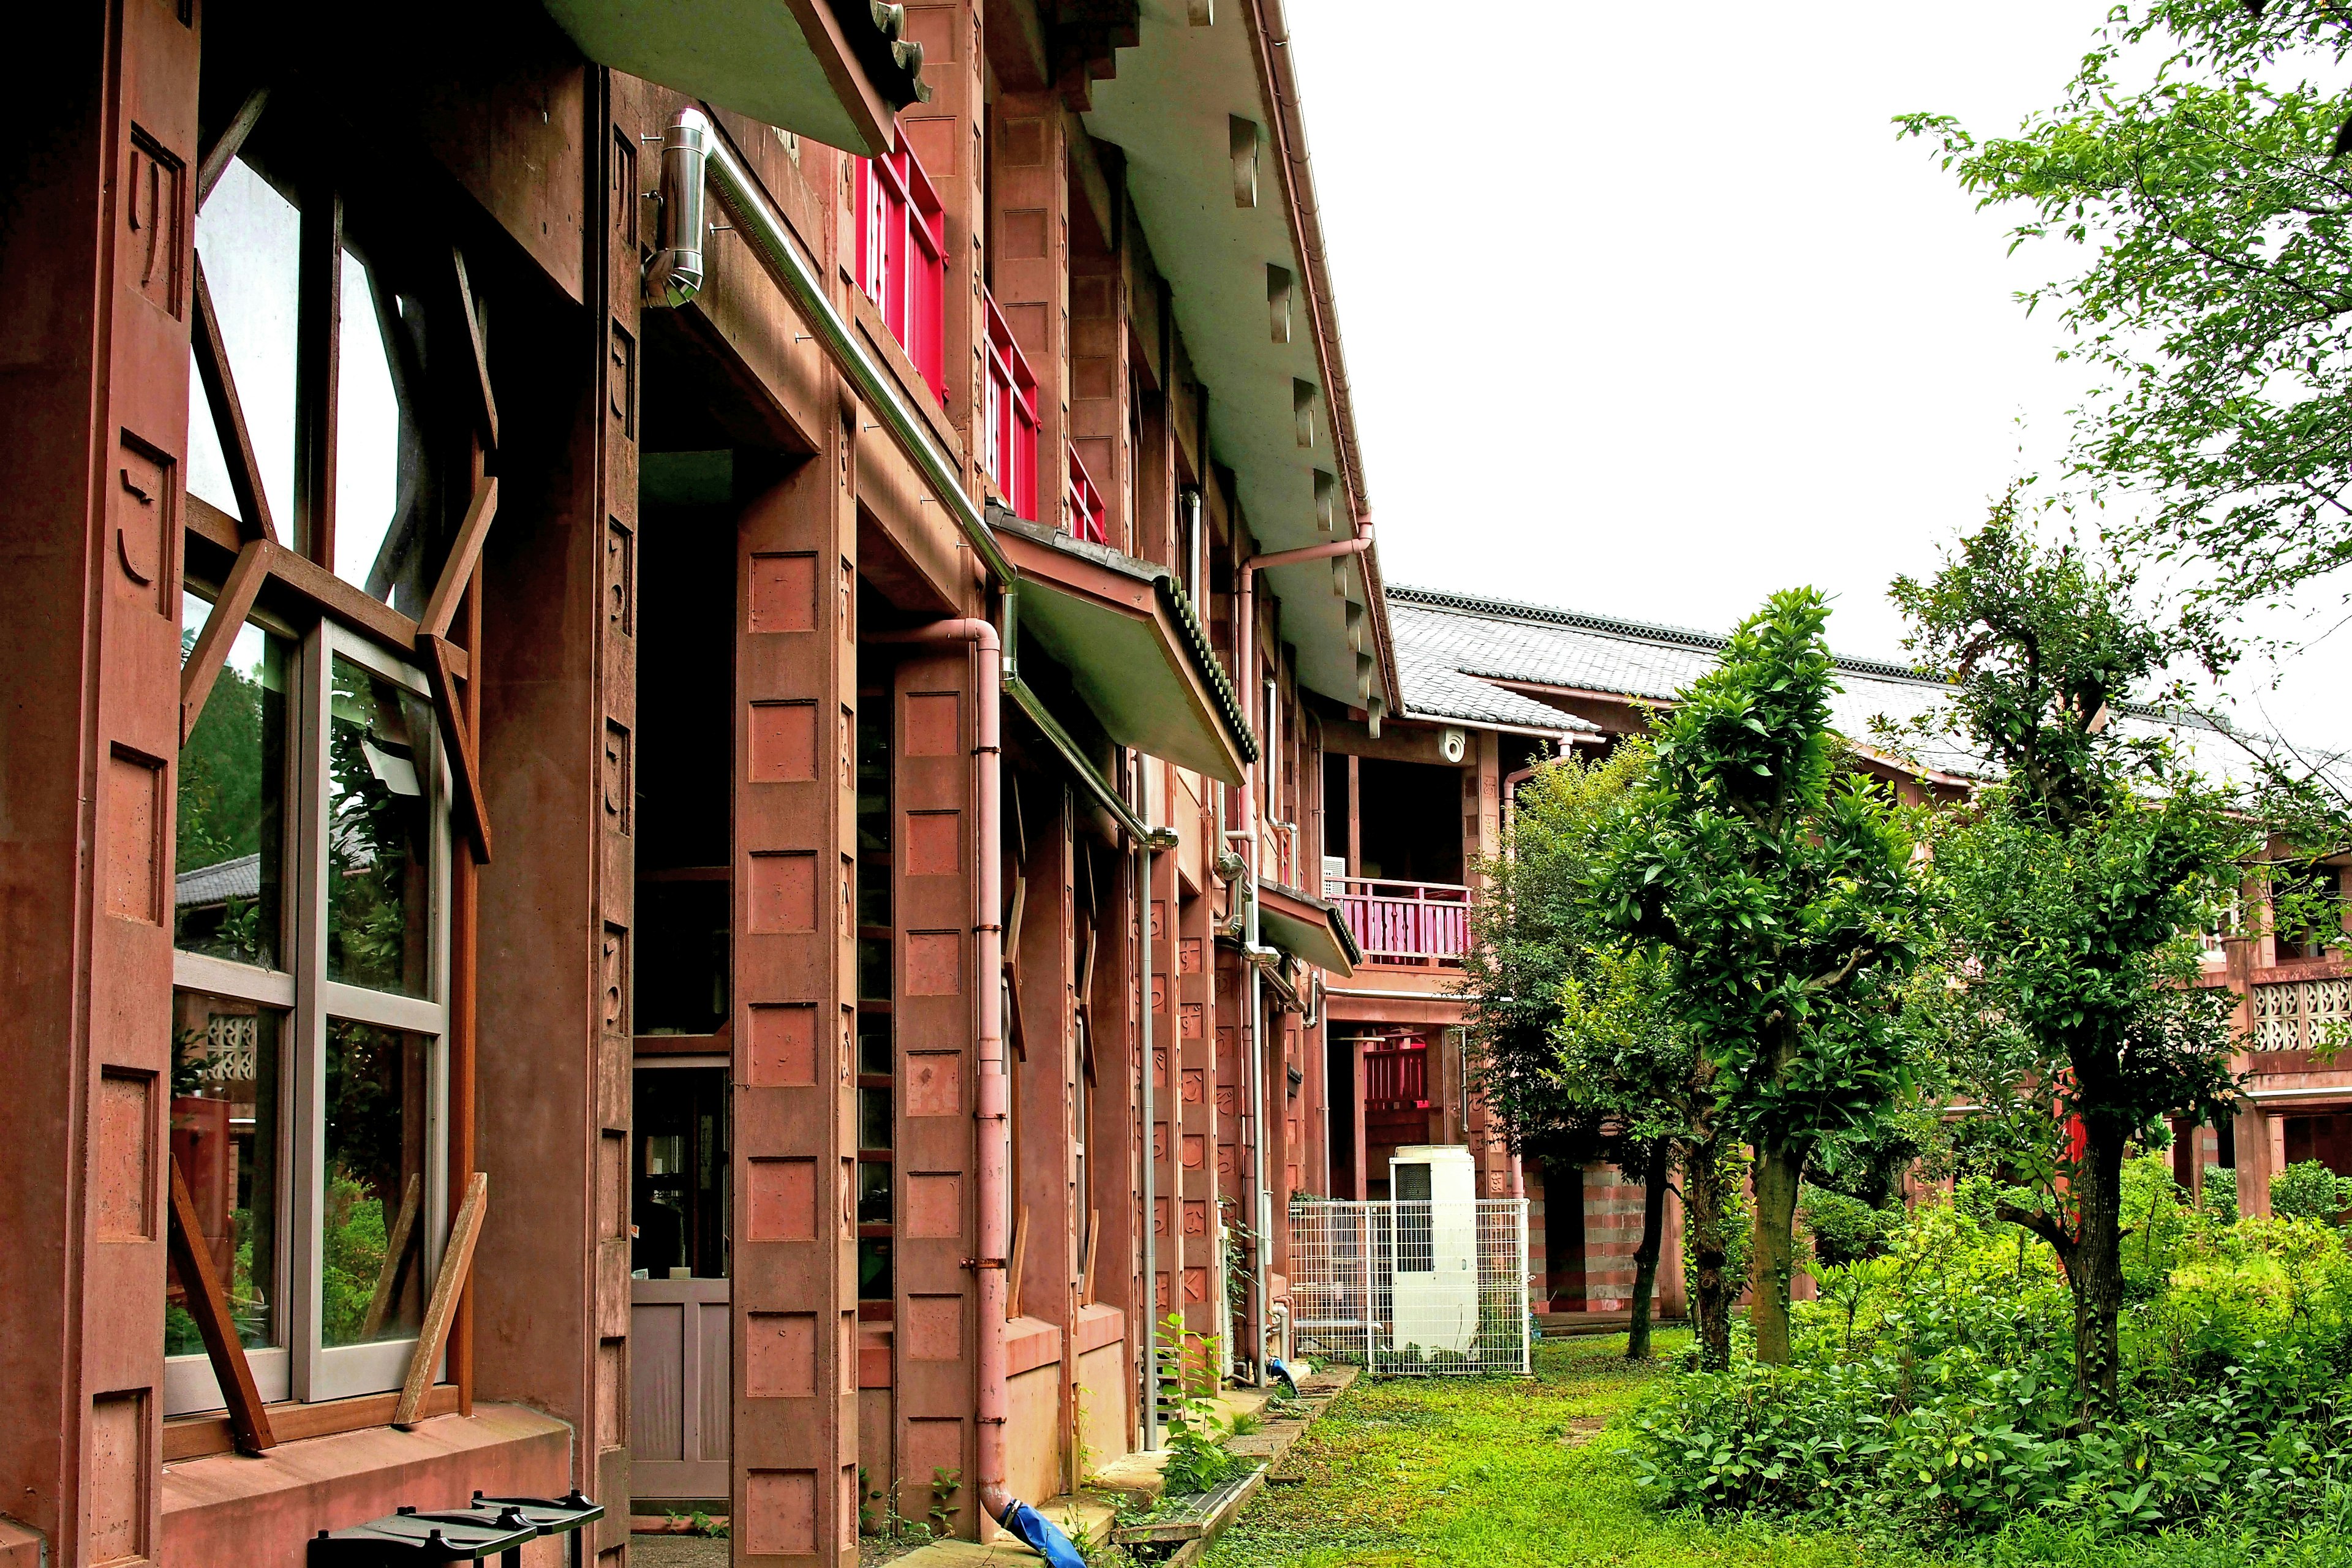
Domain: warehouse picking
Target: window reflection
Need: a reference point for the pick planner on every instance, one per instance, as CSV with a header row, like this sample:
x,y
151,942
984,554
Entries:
x,y
225,1142
382,478
374,1281
230,847
249,238
379,837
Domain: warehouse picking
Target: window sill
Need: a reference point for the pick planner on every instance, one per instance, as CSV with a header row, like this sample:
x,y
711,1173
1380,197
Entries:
x,y
195,1436
228,1509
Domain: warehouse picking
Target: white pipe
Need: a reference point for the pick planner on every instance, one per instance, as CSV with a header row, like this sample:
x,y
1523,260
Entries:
x,y
1144,847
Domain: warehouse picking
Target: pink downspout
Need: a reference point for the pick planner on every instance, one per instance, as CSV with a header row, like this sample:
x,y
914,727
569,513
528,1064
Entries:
x,y
988,965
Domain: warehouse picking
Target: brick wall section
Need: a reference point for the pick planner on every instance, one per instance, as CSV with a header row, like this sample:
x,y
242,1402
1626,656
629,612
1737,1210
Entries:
x,y
1612,1232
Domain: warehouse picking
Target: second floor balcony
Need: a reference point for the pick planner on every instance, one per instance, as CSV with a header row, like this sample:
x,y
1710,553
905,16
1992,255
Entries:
x,y
1418,925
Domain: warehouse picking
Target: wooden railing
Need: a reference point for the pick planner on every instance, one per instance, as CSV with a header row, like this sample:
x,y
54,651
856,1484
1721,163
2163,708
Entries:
x,y
1084,501
1397,1079
1424,924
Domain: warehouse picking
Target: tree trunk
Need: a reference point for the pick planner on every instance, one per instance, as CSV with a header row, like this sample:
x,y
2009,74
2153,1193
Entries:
x,y
2095,1269
1645,1256
1778,1170
1704,1219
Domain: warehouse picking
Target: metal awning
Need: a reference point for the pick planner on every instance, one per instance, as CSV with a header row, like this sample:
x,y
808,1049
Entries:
x,y
1135,654
1309,929
836,72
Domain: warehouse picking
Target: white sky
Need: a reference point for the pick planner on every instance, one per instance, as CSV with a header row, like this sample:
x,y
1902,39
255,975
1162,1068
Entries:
x,y
1649,313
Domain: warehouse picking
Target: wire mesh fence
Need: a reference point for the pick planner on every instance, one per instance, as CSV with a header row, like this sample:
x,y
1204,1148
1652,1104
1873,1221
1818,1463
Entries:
x,y
1427,1288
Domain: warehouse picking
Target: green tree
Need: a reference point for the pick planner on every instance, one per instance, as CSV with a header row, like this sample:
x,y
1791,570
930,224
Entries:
x,y
2193,156
2066,897
1570,1045
1776,885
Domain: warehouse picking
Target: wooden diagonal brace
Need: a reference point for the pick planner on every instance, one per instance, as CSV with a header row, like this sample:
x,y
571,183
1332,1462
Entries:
x,y
486,407
215,160
466,767
458,570
456,1262
208,1305
228,415
205,660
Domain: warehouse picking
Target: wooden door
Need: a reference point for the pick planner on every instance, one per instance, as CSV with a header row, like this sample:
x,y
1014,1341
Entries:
x,y
680,1399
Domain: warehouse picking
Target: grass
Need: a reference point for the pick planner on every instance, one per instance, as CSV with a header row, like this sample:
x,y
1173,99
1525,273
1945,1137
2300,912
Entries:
x,y
1499,1470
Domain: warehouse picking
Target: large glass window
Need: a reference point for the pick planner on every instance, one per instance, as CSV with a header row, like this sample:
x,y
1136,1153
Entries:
x,y
308,1078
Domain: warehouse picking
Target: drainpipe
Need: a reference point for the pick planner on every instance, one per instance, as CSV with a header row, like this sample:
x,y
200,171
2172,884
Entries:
x,y
988,962
1143,848
1253,1074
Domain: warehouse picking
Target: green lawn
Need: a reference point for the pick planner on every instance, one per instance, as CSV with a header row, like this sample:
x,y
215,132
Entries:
x,y
1498,1470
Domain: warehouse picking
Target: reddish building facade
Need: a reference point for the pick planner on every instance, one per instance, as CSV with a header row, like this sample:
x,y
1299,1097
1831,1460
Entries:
x,y
653,826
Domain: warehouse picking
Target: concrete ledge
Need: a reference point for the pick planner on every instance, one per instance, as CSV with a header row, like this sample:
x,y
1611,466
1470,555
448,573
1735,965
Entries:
x,y
1098,1326
19,1547
1030,1343
260,1512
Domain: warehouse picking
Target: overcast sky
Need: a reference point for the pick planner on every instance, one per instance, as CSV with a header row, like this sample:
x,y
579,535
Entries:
x,y
1649,313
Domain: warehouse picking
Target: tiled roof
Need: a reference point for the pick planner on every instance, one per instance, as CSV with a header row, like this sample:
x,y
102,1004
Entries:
x,y
238,879
1450,647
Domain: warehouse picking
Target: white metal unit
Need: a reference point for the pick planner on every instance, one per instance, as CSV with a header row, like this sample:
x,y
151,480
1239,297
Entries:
x,y
1418,1285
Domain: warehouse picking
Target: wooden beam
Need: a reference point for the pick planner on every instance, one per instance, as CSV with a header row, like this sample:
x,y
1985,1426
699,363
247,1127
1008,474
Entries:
x,y
215,160
486,407
229,417
205,660
1020,1256
372,618
207,1303
456,1262
465,766
396,1257
458,569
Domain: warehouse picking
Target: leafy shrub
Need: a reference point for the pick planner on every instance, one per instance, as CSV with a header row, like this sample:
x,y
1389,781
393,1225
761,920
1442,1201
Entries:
x,y
1930,1392
2309,1189
2221,1194
1844,1229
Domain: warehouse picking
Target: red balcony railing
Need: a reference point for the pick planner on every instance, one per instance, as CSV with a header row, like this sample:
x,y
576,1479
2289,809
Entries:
x,y
1086,516
1397,1079
1424,924
1009,418
902,259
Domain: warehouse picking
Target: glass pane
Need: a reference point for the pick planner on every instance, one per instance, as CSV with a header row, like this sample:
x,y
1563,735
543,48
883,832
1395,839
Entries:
x,y
873,969
379,837
873,1269
249,238
231,840
874,1043
873,1193
225,1140
373,1284
382,478
872,892
874,774
873,1119
681,958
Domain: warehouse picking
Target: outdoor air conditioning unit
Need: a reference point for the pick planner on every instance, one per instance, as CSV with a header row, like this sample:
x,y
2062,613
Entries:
x,y
1335,875
1453,744
1434,1189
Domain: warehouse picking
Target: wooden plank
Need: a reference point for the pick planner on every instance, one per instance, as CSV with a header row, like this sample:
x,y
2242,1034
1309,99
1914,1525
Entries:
x,y
1094,1250
228,417
215,160
456,1261
351,608
465,762
486,407
196,1436
396,1257
205,660
207,1302
458,570
1019,1253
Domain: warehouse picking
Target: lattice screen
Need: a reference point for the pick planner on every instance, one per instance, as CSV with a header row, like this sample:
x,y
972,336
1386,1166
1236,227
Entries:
x,y
2302,1015
1419,1289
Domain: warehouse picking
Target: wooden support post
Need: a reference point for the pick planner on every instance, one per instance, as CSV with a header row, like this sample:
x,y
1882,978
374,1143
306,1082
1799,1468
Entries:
x,y
208,1305
457,1260
396,1257
228,417
458,570
205,660
465,767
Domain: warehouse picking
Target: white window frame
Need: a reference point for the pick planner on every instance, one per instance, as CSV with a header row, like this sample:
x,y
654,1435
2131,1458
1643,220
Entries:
x,y
300,1367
